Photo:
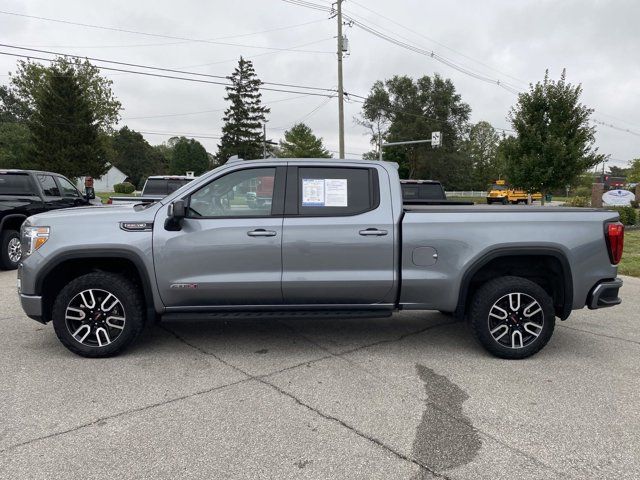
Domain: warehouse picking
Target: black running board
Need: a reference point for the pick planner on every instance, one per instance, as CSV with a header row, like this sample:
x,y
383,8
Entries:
x,y
277,315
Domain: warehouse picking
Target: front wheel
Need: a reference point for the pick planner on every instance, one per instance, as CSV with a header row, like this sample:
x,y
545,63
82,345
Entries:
x,y
11,250
98,314
512,317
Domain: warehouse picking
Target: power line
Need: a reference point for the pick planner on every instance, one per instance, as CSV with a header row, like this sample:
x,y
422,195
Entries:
x,y
306,116
148,34
174,77
288,27
615,127
420,34
409,46
179,134
209,111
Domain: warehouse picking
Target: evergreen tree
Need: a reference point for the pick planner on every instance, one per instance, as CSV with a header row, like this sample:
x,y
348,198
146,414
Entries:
x,y
66,136
300,142
243,120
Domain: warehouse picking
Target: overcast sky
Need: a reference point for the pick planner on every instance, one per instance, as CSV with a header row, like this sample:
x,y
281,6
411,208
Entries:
x,y
514,41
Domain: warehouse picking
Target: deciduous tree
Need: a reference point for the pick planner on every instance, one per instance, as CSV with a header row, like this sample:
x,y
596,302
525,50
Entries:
x,y
554,141
188,155
403,109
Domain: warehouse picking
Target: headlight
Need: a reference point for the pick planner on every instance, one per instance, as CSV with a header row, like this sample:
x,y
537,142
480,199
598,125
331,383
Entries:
x,y
33,238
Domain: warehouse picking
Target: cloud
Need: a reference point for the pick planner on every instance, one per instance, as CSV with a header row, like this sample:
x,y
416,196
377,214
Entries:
x,y
596,41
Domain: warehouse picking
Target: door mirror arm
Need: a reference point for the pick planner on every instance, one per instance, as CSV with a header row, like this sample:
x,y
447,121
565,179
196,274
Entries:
x,y
175,214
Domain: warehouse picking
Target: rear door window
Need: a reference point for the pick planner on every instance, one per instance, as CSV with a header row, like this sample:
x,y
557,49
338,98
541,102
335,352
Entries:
x,y
16,184
334,191
49,185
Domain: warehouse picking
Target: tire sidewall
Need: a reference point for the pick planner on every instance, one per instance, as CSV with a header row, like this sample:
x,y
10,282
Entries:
x,y
5,262
496,289
124,290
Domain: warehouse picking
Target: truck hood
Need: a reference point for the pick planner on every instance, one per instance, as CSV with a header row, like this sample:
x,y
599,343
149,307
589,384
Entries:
x,y
96,214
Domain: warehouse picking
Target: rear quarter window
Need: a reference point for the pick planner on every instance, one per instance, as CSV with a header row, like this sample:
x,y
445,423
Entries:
x,y
335,191
16,184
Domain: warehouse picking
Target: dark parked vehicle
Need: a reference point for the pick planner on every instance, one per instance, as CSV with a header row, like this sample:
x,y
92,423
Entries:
x,y
426,192
155,188
24,193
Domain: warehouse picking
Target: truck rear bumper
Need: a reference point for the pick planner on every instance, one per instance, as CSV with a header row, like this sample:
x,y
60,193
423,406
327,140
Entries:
x,y
32,306
605,294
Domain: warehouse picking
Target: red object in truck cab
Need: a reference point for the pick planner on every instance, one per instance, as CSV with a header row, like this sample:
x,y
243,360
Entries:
x,y
265,187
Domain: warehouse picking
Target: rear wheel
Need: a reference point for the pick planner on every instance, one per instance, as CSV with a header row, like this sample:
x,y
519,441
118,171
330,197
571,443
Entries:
x,y
98,314
11,250
512,317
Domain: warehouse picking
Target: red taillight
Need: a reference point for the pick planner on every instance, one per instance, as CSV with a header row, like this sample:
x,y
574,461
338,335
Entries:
x,y
615,241
109,202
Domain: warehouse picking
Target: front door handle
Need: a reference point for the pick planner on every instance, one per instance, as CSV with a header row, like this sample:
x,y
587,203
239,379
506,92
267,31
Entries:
x,y
261,232
373,232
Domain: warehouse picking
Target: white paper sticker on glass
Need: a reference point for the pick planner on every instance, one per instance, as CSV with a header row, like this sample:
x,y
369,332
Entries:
x,y
335,192
313,192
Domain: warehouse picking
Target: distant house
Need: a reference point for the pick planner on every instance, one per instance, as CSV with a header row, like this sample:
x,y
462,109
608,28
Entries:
x,y
106,182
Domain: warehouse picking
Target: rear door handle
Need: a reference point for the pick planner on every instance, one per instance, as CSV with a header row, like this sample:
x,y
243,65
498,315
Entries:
x,y
261,232
372,232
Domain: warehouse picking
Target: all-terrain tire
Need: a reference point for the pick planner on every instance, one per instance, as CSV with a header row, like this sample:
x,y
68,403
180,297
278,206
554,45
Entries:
x,y
71,314
534,319
9,240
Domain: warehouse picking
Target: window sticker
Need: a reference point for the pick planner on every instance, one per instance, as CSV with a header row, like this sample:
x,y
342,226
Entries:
x,y
327,192
312,192
335,192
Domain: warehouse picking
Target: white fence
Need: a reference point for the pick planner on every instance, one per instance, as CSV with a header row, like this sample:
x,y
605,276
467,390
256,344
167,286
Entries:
x,y
467,193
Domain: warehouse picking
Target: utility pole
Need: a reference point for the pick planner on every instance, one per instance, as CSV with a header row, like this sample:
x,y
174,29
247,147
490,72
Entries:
x,y
264,140
340,87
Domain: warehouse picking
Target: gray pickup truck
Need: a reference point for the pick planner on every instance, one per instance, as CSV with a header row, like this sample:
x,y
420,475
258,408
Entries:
x,y
334,240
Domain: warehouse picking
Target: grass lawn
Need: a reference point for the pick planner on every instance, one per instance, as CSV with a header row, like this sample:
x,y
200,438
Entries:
x,y
630,263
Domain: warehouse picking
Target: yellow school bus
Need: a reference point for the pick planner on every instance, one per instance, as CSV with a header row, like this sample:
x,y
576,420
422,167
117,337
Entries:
x,y
501,193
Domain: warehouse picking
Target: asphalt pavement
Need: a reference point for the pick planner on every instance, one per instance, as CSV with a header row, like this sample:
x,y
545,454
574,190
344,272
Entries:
x,y
409,397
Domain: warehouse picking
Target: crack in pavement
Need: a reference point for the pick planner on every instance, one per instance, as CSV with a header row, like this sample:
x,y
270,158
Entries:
x,y
121,414
262,380
182,397
165,402
601,334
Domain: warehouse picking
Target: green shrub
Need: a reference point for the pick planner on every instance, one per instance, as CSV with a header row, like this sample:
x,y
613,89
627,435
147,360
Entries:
x,y
628,215
125,187
578,202
635,204
583,192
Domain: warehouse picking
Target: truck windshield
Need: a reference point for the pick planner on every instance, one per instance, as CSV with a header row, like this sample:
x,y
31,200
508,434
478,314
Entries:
x,y
498,187
15,184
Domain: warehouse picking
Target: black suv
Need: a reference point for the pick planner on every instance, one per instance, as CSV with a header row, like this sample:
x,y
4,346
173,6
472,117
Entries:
x,y
24,193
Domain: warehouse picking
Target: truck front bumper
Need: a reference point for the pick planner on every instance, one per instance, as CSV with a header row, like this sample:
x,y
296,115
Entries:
x,y
605,294
32,306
